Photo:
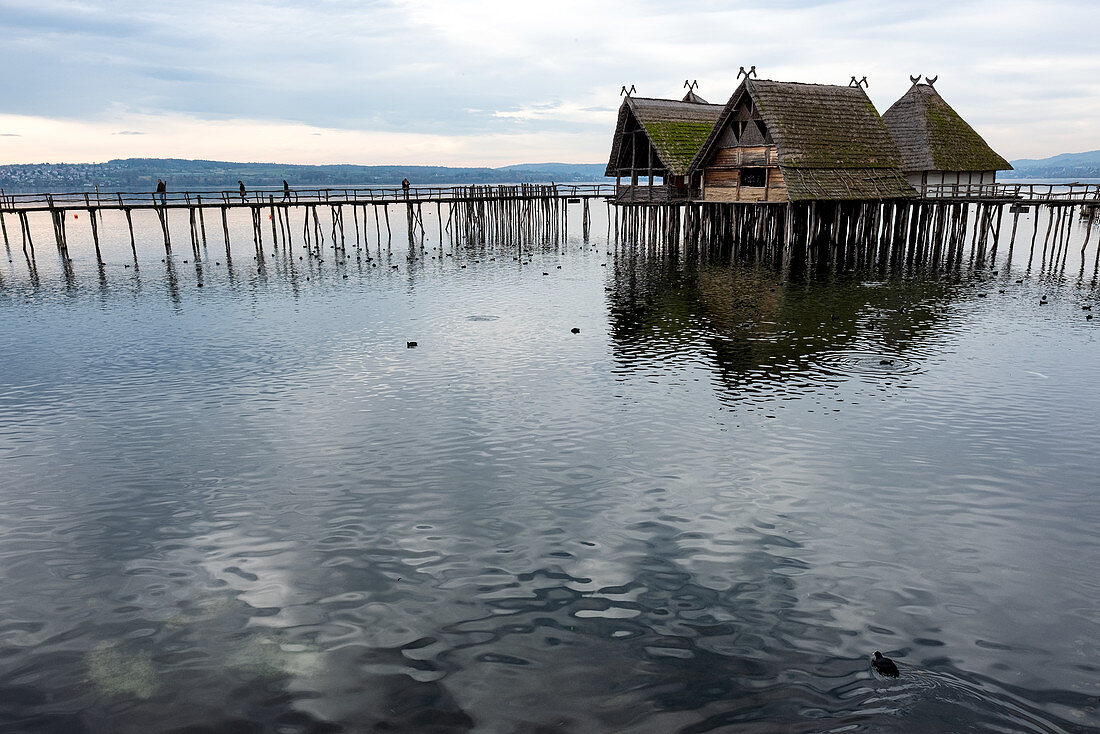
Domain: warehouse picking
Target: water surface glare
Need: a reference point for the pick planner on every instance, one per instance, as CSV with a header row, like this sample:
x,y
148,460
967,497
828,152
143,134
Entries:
x,y
252,507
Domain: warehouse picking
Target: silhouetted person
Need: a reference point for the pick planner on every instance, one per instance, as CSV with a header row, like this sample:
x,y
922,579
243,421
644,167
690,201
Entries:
x,y
243,190
161,189
405,186
286,189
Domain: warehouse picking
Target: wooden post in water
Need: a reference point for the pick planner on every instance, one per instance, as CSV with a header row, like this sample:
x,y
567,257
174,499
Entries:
x,y
95,235
202,221
996,233
130,228
162,216
57,238
193,230
355,220
1046,238
257,234
1088,229
1015,221
274,232
225,231
4,227
25,227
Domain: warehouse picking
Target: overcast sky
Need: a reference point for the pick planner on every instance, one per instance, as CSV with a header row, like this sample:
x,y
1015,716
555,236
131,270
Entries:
x,y
503,81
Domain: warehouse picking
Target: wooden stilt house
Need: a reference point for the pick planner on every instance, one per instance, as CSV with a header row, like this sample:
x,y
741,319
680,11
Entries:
x,y
937,146
787,141
657,139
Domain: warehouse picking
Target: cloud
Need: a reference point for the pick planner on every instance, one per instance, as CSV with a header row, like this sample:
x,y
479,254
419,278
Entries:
x,y
130,132
482,69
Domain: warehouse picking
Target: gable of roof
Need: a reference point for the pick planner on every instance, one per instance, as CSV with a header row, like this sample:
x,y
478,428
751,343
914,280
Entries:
x,y
675,129
931,136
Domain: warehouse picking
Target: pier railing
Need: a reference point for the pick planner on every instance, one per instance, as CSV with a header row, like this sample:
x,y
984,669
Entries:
x,y
1023,193
306,196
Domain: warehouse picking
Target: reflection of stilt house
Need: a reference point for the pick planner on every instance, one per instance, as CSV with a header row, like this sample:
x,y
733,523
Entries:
x,y
657,138
936,145
786,141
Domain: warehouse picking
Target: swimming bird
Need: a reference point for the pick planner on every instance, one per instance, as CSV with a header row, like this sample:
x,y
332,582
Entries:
x,y
410,345
884,666
575,330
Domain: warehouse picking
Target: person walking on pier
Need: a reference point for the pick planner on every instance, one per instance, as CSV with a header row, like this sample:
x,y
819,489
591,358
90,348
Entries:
x,y
405,186
243,190
286,190
161,189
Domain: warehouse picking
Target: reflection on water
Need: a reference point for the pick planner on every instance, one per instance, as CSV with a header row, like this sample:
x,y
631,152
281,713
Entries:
x,y
247,506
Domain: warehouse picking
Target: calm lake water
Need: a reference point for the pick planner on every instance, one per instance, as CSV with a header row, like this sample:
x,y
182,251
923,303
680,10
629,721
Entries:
x,y
250,507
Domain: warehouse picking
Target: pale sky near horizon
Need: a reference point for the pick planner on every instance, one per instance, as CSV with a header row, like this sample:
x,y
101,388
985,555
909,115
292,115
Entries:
x,y
446,82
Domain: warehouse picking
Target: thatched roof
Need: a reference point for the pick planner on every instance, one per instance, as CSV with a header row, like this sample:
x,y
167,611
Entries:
x,y
676,130
832,144
933,137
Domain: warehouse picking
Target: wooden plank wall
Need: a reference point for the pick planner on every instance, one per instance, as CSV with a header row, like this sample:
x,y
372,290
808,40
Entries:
x,y
723,175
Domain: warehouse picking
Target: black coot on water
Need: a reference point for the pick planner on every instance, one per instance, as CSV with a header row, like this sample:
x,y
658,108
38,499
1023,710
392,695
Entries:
x,y
884,666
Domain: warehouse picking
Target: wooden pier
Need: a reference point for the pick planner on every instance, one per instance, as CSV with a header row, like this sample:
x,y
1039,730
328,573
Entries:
x,y
932,228
508,212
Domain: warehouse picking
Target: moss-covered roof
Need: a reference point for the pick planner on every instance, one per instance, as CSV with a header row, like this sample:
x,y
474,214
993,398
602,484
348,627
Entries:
x,y
933,137
846,184
676,130
677,141
824,125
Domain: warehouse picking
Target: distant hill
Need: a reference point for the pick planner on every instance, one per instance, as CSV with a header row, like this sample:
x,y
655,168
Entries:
x,y
561,171
141,174
1065,165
